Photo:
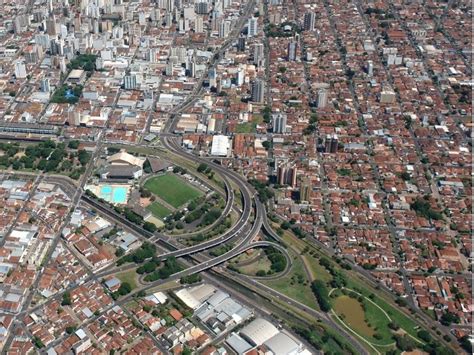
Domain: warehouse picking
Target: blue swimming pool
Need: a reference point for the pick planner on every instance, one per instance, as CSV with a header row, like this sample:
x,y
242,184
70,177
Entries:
x,y
113,194
119,195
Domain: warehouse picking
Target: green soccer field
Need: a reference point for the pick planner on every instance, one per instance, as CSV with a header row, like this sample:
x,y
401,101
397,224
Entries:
x,y
172,189
158,210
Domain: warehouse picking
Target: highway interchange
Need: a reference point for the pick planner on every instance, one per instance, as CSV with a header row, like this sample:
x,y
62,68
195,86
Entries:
x,y
252,219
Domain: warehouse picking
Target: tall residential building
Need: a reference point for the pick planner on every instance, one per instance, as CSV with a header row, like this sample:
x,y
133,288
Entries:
x,y
202,8
189,13
192,69
322,98
169,69
258,55
212,75
169,5
331,143
180,53
240,76
309,21
279,122
286,175
19,24
62,64
51,26
292,47
130,82
45,86
224,29
20,69
42,40
305,189
370,68
183,25
198,24
252,27
241,44
258,90
152,55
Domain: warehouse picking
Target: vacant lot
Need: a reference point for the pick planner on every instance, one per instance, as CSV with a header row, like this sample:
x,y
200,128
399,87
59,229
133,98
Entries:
x,y
158,210
130,277
351,311
262,263
172,189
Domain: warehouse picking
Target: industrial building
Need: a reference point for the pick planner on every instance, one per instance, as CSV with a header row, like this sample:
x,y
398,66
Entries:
x,y
264,337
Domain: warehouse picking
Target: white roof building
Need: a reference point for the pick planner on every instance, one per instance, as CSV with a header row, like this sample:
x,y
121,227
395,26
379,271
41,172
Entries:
x,y
123,158
282,344
220,145
187,298
259,331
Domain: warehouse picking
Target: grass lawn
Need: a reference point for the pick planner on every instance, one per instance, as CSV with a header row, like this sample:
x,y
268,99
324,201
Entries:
x,y
319,272
130,277
262,263
397,316
379,322
290,286
172,189
351,312
249,127
246,127
158,210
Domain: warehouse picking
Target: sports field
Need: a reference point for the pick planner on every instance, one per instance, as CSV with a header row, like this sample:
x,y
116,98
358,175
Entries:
x,y
158,210
172,189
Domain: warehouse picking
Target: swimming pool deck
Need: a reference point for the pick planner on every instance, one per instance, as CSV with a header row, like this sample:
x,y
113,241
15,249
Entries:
x,y
113,193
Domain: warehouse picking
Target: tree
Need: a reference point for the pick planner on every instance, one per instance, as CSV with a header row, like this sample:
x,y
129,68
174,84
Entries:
x,y
119,252
423,208
70,329
405,176
448,318
132,216
401,302
145,193
38,343
202,167
320,291
393,325
424,335
74,144
266,144
83,156
124,288
66,299
267,111
150,227
211,216
466,343
404,343
191,279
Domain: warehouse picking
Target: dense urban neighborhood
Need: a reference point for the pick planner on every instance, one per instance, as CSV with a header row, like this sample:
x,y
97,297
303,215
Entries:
x,y
285,177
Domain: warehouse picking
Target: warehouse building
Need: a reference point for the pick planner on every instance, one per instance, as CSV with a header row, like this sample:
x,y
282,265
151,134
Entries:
x,y
220,146
259,331
264,337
